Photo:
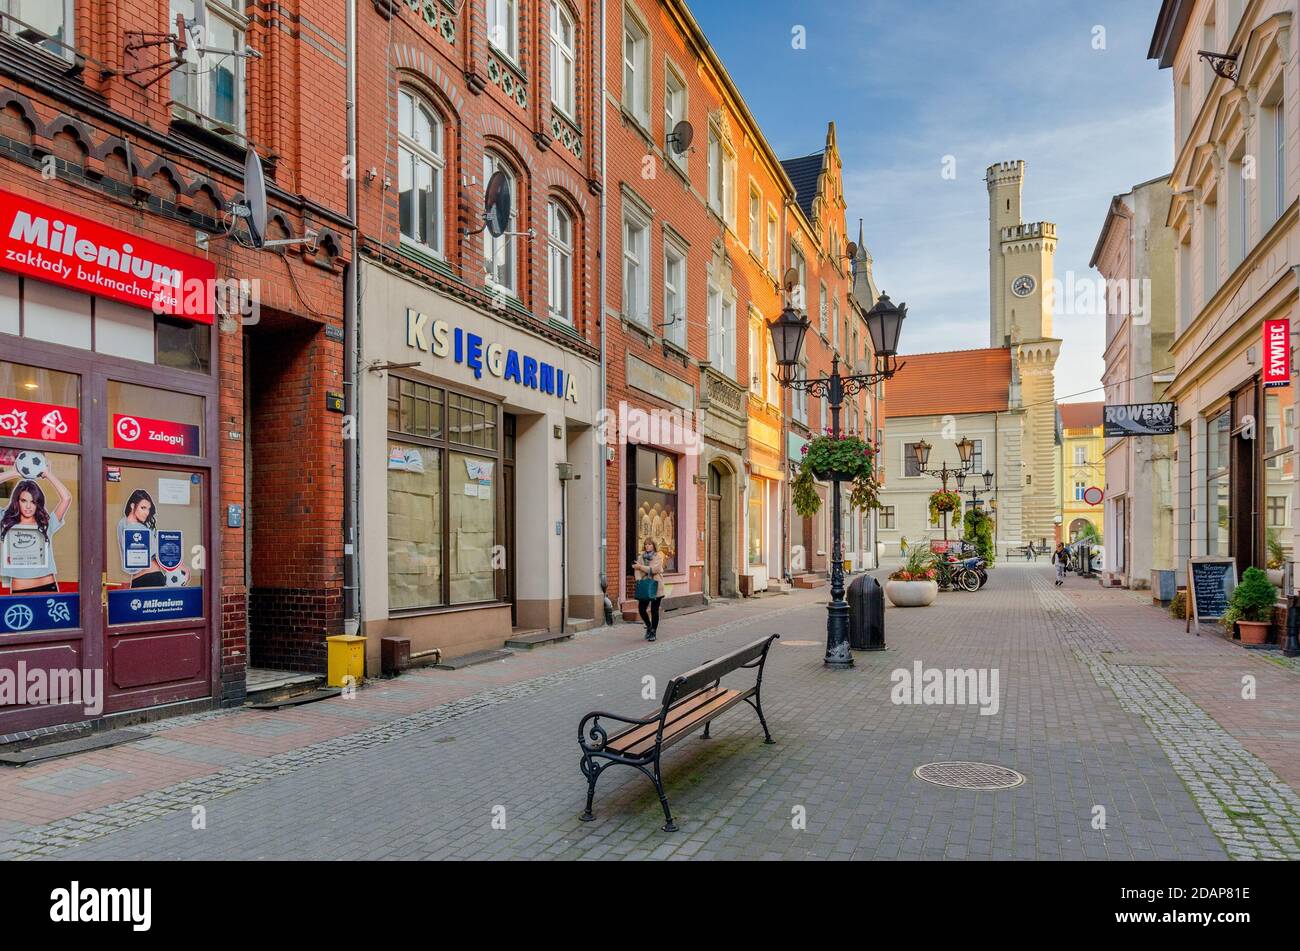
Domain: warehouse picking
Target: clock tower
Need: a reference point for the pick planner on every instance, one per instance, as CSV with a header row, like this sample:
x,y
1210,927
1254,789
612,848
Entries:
x,y
1020,318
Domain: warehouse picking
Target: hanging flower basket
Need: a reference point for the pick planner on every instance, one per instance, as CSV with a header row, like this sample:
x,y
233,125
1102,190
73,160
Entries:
x,y
848,459
941,502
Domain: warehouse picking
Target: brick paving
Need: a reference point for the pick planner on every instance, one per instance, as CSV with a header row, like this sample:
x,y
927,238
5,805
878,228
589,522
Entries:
x,y
1103,702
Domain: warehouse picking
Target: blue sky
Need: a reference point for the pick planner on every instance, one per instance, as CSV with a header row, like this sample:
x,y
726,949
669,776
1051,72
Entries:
x,y
908,83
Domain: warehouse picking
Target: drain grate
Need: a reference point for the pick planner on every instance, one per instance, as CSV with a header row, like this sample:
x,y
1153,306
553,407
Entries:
x,y
969,775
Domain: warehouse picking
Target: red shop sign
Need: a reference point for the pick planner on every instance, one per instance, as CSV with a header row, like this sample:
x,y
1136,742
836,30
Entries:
x,y
154,435
52,245
1277,352
21,419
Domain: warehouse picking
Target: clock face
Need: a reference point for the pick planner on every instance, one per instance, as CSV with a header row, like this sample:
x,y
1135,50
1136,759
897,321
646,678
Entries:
x,y
1023,286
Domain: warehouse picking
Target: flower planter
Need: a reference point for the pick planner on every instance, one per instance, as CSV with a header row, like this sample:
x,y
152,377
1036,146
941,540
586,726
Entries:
x,y
1254,632
911,594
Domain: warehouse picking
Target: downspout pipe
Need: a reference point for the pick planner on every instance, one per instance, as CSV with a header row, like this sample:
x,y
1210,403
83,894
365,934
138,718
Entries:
x,y
600,321
351,350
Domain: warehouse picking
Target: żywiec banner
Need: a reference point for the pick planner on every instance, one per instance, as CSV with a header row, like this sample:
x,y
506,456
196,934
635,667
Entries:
x,y
52,245
1277,352
1138,419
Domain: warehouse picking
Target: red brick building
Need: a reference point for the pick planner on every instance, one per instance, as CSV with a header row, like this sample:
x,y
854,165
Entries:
x,y
480,391
185,485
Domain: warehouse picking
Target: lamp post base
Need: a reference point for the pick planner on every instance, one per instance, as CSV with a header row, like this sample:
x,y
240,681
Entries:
x,y
838,654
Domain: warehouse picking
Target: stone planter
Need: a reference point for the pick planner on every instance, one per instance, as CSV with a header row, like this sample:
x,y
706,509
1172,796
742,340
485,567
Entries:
x,y
1254,632
911,594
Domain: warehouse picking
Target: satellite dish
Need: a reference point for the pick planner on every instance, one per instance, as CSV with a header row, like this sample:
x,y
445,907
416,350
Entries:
x,y
681,136
199,26
852,249
255,198
791,279
496,203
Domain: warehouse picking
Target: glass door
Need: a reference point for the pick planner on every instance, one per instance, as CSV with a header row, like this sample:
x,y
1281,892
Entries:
x,y
157,636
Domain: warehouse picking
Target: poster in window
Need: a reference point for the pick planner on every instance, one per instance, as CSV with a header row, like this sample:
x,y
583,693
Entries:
x,y
35,506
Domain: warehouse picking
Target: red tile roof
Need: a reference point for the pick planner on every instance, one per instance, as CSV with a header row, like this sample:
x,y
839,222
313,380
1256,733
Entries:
x,y
956,381
1080,415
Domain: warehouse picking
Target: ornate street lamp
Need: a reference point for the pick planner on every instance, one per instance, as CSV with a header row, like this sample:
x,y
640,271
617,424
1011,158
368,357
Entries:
x,y
966,450
885,325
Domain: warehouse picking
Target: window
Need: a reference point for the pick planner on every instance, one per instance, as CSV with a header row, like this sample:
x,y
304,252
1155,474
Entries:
x,y
652,502
1279,159
755,358
800,289
1209,250
1079,489
1279,470
559,243
675,293
636,266
769,371
47,23
1080,455
499,253
722,331
1184,283
210,91
755,222
722,178
563,54
1218,484
835,321
910,466
1238,209
636,89
756,522
773,248
419,172
674,112
799,398
442,452
503,26
822,304
977,456
887,516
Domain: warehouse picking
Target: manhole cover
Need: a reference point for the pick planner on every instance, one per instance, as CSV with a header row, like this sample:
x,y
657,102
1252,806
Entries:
x,y
969,775
800,643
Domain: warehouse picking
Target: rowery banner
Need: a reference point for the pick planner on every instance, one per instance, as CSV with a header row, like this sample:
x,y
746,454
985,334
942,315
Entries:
x,y
1138,419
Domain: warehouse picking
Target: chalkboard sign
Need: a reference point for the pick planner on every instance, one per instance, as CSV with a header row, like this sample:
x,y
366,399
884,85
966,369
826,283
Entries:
x,y
1210,584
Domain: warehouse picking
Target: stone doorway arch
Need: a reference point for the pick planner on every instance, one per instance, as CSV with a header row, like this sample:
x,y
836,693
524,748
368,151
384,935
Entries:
x,y
720,531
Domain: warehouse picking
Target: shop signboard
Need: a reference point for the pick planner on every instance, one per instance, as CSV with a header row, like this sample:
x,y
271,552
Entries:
x,y
1277,352
1138,419
24,419
154,435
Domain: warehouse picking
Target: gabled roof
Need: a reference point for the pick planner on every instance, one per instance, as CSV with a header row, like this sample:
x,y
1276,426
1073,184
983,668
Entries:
x,y
804,173
955,381
1080,415
1171,22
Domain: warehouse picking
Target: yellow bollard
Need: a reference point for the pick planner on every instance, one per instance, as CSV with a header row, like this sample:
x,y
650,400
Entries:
x,y
345,656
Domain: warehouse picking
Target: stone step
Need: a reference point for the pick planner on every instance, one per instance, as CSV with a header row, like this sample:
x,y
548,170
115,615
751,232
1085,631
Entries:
x,y
267,693
469,660
18,755
297,699
808,581
527,640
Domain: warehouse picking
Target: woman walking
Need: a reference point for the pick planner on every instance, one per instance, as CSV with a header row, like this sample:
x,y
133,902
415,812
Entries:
x,y
1060,558
649,590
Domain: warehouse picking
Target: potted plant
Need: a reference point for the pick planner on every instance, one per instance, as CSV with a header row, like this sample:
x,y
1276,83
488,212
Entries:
x,y
1276,557
978,531
941,502
914,584
1250,608
849,459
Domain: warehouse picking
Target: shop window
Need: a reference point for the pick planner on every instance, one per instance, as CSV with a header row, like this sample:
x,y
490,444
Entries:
x,y
756,548
414,526
183,344
419,172
652,488
40,568
46,23
154,532
145,419
39,404
1218,485
434,561
1279,470
210,91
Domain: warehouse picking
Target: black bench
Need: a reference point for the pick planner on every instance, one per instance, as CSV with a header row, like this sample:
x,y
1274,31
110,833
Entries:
x,y
692,700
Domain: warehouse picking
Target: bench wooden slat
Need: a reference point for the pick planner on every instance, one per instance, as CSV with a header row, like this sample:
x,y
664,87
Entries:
x,y
622,741
683,727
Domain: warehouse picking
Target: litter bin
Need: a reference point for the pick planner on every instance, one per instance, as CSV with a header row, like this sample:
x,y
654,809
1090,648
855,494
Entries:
x,y
866,614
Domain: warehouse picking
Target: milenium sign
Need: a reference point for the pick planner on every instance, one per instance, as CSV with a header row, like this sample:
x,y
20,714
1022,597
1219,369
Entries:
x,y
444,341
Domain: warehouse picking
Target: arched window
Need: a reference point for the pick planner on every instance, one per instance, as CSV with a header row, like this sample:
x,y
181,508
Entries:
x,y
563,57
499,253
559,235
420,168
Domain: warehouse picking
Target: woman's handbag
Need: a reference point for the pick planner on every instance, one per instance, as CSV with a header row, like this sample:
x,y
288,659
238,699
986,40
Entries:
x,y
647,589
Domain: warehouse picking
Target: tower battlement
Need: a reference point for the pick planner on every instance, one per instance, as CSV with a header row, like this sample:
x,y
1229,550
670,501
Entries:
x,y
1032,229
1005,173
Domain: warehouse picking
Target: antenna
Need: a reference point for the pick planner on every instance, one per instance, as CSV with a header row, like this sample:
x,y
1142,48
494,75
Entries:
x,y
679,140
198,27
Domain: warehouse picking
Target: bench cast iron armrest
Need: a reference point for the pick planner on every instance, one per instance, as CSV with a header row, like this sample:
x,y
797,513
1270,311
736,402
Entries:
x,y
596,733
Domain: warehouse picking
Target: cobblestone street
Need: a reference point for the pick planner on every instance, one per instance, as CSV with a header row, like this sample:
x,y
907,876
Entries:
x,y
1110,711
